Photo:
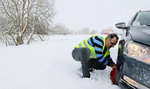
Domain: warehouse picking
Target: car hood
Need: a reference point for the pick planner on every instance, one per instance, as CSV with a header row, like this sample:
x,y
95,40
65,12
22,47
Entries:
x,y
141,34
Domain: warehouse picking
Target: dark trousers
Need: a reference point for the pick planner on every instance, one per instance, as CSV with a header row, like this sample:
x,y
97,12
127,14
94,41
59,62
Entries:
x,y
83,55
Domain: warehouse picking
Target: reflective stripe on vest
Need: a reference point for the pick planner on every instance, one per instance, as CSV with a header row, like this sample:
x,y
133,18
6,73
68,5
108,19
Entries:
x,y
85,44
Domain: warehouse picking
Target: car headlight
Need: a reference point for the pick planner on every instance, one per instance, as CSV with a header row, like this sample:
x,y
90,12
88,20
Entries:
x,y
138,51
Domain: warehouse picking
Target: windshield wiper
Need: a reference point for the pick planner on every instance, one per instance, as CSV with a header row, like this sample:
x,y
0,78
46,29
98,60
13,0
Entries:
x,y
147,24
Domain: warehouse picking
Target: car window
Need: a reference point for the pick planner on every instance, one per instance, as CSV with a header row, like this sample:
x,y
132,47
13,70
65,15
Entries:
x,y
143,19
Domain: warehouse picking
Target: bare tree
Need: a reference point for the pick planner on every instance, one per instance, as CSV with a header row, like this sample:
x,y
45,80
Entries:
x,y
60,29
21,19
85,30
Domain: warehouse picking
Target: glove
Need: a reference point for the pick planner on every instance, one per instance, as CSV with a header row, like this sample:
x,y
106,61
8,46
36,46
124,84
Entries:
x,y
113,66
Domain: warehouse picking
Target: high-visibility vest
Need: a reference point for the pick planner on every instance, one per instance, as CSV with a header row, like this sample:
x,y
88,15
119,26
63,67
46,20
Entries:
x,y
85,44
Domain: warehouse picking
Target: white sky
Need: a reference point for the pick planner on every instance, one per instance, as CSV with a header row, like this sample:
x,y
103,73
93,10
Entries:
x,y
97,14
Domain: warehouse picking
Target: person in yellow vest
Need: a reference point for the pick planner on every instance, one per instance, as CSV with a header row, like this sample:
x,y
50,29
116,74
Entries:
x,y
93,53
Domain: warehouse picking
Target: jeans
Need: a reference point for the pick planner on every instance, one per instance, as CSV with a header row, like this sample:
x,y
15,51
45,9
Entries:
x,y
82,55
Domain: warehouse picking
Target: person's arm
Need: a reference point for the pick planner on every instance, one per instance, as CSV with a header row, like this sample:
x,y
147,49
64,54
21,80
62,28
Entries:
x,y
97,42
110,62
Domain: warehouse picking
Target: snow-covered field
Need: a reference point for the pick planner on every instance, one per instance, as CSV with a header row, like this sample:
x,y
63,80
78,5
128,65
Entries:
x,y
49,65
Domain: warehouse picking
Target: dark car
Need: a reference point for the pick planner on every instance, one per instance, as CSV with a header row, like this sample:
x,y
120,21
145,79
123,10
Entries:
x,y
133,62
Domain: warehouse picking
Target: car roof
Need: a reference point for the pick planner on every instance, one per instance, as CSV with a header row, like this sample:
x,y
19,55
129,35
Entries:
x,y
144,11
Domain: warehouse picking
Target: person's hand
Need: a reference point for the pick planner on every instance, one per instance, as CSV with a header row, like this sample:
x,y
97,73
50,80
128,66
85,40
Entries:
x,y
113,66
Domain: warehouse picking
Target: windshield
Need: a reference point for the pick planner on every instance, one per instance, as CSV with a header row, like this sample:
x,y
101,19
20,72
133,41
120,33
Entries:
x,y
142,19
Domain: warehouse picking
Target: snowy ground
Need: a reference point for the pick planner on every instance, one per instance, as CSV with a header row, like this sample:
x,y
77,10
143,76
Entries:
x,y
49,65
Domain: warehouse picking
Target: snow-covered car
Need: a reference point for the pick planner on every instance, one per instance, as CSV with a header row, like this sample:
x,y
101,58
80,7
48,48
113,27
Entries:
x,y
133,62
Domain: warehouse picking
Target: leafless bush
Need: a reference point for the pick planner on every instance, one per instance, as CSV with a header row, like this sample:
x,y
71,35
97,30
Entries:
x,y
59,29
87,30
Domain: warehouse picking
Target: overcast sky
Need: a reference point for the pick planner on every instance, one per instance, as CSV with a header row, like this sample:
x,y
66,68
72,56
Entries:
x,y
97,14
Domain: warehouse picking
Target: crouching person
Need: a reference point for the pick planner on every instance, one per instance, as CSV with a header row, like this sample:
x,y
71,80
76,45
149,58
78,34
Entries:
x,y
93,53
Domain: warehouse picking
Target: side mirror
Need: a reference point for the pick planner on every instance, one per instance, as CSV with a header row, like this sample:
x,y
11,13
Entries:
x,y
121,25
